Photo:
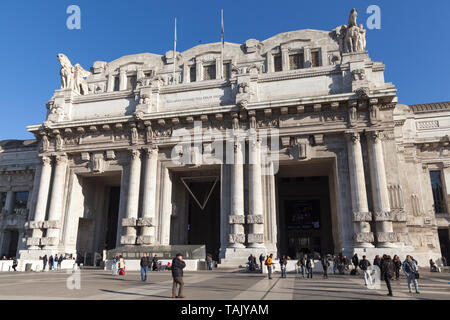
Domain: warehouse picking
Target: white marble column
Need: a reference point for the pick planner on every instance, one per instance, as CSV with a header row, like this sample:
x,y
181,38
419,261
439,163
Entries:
x,y
41,203
129,223
166,207
147,222
255,217
9,202
53,223
361,216
237,218
382,211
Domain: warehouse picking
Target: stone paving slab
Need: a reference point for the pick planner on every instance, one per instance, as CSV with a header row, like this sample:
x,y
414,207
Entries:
x,y
211,285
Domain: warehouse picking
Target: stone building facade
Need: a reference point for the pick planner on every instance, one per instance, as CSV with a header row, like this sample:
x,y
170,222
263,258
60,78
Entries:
x,y
292,144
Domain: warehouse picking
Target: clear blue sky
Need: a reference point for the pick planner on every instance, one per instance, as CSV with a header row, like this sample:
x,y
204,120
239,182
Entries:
x,y
413,41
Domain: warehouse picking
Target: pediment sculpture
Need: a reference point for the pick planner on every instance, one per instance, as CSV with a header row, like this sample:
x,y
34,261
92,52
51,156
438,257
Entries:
x,y
351,37
73,77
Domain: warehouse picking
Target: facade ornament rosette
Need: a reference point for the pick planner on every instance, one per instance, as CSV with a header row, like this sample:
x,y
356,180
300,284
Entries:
x,y
236,219
236,238
363,237
255,219
362,216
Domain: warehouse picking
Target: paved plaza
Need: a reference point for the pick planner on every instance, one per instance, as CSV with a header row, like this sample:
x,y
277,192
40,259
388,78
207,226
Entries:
x,y
211,285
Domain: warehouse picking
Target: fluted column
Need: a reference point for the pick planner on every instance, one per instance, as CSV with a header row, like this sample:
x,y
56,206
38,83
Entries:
x,y
129,223
166,207
41,204
237,218
361,215
147,221
53,224
382,211
255,214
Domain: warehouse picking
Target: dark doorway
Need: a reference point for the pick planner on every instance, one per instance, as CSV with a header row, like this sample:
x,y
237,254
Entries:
x,y
11,242
305,216
113,215
204,224
444,242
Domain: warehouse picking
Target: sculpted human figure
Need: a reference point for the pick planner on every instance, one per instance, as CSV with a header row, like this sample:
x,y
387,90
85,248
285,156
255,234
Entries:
x,y
352,18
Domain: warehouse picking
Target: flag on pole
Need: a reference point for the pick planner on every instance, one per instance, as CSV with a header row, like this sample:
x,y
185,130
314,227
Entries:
x,y
223,35
175,52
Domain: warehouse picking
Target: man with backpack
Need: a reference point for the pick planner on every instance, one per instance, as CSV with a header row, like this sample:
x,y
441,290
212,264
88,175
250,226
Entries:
x,y
388,271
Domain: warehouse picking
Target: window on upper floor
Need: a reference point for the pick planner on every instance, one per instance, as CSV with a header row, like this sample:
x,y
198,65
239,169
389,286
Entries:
x,y
296,61
277,64
148,74
20,200
192,74
226,70
315,58
116,83
2,200
131,82
209,72
438,191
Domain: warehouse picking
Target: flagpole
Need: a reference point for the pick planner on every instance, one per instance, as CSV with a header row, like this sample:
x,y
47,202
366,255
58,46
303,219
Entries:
x,y
175,52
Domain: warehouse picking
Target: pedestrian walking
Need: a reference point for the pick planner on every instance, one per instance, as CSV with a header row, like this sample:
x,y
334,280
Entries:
x,y
50,263
145,263
411,271
44,261
209,261
55,262
355,261
283,264
121,265
14,266
115,261
60,260
178,265
388,271
155,263
269,263
335,263
262,258
364,265
310,266
398,266
325,266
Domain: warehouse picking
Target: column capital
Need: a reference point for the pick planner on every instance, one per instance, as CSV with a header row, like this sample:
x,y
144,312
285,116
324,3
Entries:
x,y
375,136
46,160
151,151
353,136
61,158
135,153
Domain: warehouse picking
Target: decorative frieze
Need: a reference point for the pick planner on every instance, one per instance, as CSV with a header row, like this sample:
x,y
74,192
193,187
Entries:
x,y
145,222
362,216
256,238
34,241
387,237
35,225
50,241
145,240
236,219
128,222
255,219
236,238
363,237
127,240
51,224
383,216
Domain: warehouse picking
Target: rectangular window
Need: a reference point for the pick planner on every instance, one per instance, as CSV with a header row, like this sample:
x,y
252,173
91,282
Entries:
x,y
438,192
277,63
116,83
148,74
2,200
209,72
131,82
226,70
315,59
20,200
193,74
296,61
